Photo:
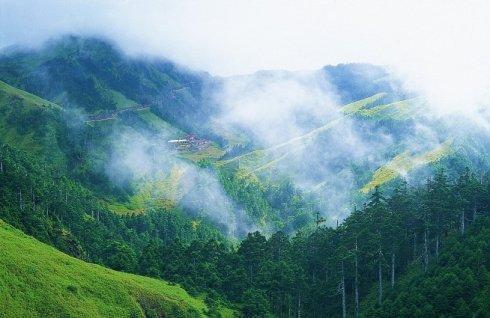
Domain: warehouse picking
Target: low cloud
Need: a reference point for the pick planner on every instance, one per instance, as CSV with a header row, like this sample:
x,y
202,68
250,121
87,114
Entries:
x,y
147,163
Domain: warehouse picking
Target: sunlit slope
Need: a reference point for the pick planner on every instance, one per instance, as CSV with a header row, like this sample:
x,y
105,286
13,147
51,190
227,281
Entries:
x,y
35,125
33,100
29,122
373,109
404,163
363,103
263,158
36,280
95,76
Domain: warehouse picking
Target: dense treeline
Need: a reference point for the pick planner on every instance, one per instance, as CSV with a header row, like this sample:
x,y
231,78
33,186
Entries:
x,y
332,270
395,256
278,203
43,201
457,284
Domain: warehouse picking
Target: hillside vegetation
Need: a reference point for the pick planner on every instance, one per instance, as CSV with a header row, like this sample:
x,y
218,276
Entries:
x,y
38,281
113,162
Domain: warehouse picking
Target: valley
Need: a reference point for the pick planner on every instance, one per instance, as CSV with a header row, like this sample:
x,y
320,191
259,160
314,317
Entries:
x,y
131,187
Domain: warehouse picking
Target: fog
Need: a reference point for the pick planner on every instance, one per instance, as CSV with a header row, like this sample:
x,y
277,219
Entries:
x,y
438,50
146,162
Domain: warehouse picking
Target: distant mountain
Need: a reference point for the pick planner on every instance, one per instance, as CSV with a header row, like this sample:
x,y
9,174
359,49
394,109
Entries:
x,y
357,81
136,164
107,117
95,76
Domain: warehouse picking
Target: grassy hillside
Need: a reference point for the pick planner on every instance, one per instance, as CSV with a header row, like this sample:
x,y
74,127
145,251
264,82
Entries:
x,y
360,104
36,280
404,163
31,99
372,109
29,122
95,76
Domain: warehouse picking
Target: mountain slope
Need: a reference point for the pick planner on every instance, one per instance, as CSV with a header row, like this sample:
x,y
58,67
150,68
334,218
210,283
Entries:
x,y
457,285
38,281
118,113
29,122
93,75
372,110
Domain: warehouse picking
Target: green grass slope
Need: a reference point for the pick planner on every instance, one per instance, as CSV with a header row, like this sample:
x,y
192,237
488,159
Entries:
x,y
262,159
32,99
370,108
404,163
37,280
28,121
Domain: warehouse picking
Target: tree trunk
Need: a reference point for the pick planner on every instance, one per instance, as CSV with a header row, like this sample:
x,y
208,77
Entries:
x,y
356,284
299,305
250,270
380,280
462,222
392,270
414,245
426,251
437,246
344,312
20,200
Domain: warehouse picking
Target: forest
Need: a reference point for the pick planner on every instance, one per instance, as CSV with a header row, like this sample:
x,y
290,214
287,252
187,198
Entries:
x,y
369,207
419,250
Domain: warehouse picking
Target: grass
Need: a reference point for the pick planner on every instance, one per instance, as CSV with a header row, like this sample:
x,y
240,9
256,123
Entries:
x,y
212,152
28,122
404,163
31,99
401,110
121,101
161,191
266,158
37,280
354,107
159,125
261,160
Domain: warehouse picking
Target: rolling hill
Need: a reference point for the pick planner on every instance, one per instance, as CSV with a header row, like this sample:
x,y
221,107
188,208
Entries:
x,y
36,280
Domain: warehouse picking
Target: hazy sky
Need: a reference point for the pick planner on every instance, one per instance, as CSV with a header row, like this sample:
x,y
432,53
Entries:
x,y
442,47
234,36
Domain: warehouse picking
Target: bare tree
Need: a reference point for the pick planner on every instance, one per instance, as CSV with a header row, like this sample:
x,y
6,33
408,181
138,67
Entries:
x,y
392,270
414,245
437,247
342,286
299,305
462,222
356,281
380,277
21,205
426,250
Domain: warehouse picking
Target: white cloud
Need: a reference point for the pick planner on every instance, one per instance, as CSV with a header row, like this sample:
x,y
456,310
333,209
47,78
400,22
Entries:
x,y
441,46
229,37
